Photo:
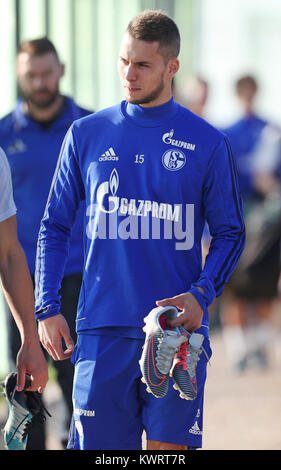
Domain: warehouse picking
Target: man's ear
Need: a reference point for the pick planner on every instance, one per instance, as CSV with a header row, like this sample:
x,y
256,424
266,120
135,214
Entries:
x,y
62,67
173,67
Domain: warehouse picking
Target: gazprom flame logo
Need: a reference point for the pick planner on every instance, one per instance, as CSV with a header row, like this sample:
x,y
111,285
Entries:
x,y
108,190
113,182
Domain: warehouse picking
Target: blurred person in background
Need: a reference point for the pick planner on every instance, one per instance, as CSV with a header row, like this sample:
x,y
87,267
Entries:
x,y
193,94
32,135
246,305
17,287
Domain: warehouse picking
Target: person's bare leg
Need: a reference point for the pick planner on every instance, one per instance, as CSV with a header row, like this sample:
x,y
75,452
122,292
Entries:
x,y
157,445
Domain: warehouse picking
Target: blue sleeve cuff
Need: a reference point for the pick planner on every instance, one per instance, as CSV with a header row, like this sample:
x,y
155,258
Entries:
x,y
205,298
199,296
47,312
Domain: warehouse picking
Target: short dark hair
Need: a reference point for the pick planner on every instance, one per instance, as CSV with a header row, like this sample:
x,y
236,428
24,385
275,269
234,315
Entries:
x,y
40,46
246,81
154,25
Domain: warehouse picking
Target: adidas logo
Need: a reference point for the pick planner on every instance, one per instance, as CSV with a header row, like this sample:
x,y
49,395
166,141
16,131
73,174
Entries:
x,y
109,155
18,146
195,429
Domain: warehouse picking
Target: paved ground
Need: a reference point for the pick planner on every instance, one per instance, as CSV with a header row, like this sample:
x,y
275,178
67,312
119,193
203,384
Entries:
x,y
242,412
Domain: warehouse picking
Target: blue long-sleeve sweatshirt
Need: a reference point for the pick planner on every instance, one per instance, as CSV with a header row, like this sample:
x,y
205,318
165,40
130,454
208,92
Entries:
x,y
32,150
150,178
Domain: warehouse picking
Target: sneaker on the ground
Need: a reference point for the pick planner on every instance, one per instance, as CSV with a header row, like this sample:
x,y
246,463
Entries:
x,y
160,347
25,410
185,363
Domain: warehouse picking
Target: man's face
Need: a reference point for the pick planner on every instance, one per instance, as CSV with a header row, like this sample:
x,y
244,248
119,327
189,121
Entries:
x,y
38,78
247,94
145,76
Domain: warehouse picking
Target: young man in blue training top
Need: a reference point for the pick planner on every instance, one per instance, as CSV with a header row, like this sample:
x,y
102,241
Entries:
x,y
31,136
150,173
